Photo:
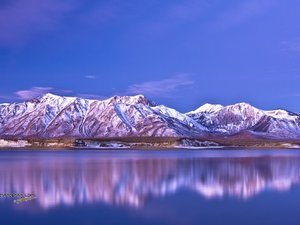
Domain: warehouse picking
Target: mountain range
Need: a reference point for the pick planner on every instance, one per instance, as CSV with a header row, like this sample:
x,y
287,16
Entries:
x,y
52,116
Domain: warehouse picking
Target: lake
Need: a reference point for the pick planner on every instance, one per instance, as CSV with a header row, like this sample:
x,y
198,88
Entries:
x,y
150,187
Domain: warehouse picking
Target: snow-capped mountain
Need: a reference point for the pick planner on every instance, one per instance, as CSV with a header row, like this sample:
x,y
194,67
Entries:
x,y
233,119
52,116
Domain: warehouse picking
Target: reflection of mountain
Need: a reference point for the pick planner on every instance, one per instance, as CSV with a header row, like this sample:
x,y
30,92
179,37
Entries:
x,y
124,181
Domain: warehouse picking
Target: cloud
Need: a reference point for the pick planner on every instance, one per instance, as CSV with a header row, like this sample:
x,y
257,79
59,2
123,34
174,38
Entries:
x,y
243,12
24,95
161,87
33,92
39,91
20,19
90,77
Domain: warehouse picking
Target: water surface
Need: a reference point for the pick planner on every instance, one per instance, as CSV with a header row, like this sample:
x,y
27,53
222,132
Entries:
x,y
151,187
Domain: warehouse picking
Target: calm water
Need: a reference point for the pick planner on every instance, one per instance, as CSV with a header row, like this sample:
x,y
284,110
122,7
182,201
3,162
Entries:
x,y
151,187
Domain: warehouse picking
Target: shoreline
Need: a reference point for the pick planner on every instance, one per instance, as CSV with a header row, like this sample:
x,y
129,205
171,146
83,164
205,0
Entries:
x,y
148,143
209,148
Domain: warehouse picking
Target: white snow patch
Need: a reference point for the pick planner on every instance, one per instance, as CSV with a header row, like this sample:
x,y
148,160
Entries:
x,y
13,144
207,108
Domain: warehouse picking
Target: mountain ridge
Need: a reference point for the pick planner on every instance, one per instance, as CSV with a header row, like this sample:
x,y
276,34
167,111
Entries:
x,y
53,116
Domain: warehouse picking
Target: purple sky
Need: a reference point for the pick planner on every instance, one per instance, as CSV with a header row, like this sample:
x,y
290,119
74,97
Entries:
x,y
178,53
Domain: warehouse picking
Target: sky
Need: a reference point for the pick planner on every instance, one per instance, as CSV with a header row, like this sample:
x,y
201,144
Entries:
x,y
182,54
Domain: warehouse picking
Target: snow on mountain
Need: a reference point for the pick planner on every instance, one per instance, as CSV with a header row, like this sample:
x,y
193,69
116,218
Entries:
x,y
175,115
52,116
207,108
233,119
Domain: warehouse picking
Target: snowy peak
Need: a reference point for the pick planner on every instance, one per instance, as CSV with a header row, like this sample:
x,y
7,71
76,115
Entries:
x,y
138,99
281,114
50,96
210,108
207,108
244,110
240,117
130,100
243,106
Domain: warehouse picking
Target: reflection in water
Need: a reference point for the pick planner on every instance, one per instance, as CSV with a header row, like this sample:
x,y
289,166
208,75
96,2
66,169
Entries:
x,y
131,181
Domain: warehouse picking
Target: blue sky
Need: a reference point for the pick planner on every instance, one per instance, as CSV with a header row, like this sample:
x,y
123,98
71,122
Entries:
x,y
178,53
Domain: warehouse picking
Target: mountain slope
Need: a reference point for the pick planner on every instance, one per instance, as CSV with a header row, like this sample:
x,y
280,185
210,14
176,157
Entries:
x,y
236,118
52,116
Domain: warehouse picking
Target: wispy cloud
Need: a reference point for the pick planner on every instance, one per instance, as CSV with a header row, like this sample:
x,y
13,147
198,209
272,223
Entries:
x,y
244,11
33,92
19,20
91,77
28,94
163,88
